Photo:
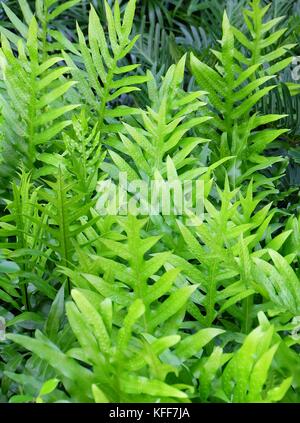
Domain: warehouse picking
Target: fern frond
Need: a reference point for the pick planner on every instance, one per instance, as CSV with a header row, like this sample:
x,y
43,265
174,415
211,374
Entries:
x,y
244,378
234,89
46,12
68,214
261,41
164,129
225,246
21,237
107,78
31,119
124,343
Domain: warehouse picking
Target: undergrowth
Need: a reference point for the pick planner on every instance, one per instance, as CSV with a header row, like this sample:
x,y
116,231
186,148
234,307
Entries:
x,y
135,306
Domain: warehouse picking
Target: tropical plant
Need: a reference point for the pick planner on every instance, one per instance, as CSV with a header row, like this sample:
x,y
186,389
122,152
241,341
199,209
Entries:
x,y
149,202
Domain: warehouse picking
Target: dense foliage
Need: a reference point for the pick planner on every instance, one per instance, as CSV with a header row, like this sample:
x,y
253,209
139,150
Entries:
x,y
136,307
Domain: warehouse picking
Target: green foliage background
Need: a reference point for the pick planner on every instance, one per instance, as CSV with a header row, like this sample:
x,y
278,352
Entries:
x,y
149,309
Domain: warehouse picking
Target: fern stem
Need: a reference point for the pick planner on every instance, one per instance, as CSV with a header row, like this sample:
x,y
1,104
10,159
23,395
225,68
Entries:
x,y
247,321
21,244
25,297
44,34
109,78
211,295
63,226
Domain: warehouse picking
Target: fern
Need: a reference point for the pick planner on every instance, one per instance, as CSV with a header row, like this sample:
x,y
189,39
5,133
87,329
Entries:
x,y
124,341
102,304
164,128
245,376
233,91
230,237
21,232
46,12
64,208
8,292
278,282
31,117
261,40
102,67
84,154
